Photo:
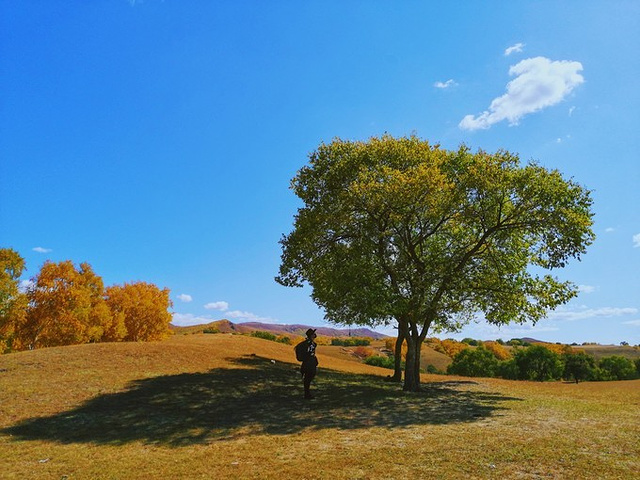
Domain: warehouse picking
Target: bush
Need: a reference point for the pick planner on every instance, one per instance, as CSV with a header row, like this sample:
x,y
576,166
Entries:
x,y
616,367
363,352
283,339
579,366
508,370
210,330
264,335
478,362
434,370
351,342
380,361
538,363
449,346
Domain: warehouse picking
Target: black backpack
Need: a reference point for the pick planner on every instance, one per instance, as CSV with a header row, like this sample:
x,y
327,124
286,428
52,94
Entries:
x,y
301,350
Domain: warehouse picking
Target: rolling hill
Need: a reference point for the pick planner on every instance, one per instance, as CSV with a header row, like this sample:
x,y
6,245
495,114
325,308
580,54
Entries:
x,y
226,326
230,406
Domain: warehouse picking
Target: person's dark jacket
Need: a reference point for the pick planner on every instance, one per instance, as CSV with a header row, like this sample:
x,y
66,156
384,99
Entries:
x,y
310,361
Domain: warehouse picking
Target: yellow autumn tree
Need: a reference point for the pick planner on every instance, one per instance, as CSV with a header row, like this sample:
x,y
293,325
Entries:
x,y
13,303
143,308
499,351
452,348
558,348
66,307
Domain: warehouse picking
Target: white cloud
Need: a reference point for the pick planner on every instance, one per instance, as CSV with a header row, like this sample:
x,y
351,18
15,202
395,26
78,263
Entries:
x,y
636,240
447,84
609,229
222,306
42,250
249,317
538,83
586,313
183,297
635,323
187,319
517,48
586,288
24,285
571,110
486,330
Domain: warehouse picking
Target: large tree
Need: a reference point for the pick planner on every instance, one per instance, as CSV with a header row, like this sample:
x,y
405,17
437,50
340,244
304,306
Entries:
x,y
66,307
395,229
143,308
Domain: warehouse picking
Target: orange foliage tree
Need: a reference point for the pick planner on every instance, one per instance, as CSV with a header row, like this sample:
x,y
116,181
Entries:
x,y
66,306
558,348
143,308
449,346
391,345
499,351
452,348
13,302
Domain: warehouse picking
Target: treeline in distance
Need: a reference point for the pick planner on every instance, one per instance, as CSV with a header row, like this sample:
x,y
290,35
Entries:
x,y
65,304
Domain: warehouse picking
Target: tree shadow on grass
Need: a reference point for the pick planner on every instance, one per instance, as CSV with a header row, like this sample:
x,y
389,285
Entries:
x,y
256,397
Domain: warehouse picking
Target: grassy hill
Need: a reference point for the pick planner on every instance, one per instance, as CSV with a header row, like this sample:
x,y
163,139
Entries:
x,y
226,326
230,406
600,351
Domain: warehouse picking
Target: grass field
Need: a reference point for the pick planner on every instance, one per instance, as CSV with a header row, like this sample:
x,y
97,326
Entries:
x,y
227,406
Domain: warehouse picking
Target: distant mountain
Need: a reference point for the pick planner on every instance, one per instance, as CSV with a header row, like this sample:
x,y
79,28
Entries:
x,y
531,340
225,326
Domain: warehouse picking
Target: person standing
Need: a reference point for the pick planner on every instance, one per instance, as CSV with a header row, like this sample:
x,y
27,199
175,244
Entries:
x,y
309,366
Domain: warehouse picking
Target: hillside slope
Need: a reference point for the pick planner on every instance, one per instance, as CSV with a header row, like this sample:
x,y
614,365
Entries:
x,y
230,406
226,326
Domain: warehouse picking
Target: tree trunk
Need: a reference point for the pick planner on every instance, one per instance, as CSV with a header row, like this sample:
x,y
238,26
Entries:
x,y
402,333
412,366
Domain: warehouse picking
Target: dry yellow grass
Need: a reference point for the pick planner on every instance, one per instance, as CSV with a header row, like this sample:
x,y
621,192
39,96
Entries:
x,y
201,406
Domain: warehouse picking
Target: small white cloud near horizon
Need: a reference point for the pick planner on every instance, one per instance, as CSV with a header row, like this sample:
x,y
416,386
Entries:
x,y
586,288
609,229
486,330
447,84
635,323
42,250
539,83
249,317
517,48
241,315
188,319
220,305
585,313
636,240
183,297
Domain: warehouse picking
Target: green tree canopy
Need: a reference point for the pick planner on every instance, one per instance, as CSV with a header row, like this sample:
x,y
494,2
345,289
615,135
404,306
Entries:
x,y
617,367
579,366
538,363
474,362
395,229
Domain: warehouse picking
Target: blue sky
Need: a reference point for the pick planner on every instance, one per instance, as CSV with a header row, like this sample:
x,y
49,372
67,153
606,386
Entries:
x,y
156,139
